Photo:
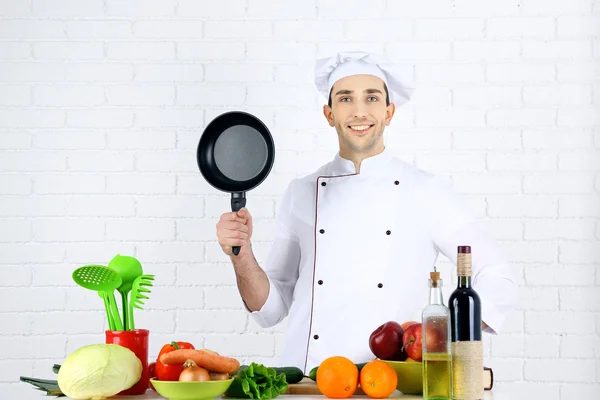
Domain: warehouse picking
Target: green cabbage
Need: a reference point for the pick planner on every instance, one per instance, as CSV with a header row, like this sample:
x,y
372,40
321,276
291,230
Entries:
x,y
98,371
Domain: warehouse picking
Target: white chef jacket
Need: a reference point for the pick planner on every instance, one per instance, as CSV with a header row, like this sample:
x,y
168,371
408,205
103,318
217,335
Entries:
x,y
353,251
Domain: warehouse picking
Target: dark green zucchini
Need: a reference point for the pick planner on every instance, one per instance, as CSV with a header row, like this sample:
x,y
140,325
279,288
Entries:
x,y
292,374
313,372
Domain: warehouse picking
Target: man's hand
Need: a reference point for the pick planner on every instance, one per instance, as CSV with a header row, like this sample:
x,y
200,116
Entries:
x,y
234,229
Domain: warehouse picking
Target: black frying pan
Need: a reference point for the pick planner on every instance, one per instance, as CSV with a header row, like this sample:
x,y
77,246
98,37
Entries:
x,y
235,154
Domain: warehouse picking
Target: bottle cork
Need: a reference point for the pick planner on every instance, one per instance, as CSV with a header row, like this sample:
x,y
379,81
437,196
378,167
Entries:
x,y
435,277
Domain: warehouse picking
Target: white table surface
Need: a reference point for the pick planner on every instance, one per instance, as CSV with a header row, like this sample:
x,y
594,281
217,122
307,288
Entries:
x,y
150,394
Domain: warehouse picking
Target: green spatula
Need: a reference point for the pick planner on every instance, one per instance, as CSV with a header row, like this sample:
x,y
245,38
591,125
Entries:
x,y
103,280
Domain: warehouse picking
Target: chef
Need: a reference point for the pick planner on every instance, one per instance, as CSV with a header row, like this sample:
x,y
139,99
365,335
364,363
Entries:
x,y
355,240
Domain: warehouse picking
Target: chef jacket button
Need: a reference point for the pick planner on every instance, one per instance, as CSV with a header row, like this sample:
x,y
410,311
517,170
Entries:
x,y
380,285
316,337
323,183
388,232
396,183
322,231
320,282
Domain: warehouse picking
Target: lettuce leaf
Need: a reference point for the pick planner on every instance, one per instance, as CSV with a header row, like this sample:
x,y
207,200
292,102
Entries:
x,y
257,382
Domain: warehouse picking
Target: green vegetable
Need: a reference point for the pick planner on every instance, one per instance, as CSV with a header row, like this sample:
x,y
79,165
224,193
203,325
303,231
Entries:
x,y
257,382
313,372
98,371
292,374
48,385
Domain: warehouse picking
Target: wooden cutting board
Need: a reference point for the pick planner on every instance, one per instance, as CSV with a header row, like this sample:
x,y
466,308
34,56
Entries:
x,y
309,387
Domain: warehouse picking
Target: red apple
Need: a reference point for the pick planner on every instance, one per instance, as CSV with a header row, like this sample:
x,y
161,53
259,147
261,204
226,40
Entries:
x,y
152,373
435,338
411,342
386,342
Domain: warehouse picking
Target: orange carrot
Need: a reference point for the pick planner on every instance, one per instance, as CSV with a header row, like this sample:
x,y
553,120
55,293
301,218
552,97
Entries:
x,y
204,359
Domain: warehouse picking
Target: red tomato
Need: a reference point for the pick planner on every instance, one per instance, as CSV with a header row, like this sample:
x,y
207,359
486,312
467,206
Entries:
x,y
170,372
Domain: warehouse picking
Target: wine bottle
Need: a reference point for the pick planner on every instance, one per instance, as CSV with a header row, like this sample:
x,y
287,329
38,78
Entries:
x,y
436,349
467,346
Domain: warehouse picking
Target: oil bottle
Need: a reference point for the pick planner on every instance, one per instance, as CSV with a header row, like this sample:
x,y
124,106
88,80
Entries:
x,y
436,344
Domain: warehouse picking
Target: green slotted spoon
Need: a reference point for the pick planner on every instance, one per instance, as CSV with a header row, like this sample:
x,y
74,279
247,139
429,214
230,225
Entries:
x,y
140,286
104,281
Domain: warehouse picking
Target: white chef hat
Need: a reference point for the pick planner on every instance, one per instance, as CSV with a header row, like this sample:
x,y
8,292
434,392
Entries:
x,y
331,69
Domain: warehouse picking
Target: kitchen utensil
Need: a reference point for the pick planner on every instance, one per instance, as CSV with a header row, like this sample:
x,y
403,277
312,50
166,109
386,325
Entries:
x,y
128,269
410,376
235,154
140,285
199,390
101,279
111,322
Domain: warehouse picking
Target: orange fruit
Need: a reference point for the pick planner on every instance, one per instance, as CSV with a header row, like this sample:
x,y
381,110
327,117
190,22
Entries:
x,y
407,324
378,379
337,377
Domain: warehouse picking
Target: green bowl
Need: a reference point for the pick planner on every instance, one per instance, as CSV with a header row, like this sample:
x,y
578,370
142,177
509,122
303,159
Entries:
x,y
175,390
410,376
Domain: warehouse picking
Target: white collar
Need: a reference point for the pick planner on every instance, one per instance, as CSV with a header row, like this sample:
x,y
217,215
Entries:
x,y
369,166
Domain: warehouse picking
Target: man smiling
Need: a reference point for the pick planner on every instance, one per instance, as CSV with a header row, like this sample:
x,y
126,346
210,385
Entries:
x,y
362,110
355,240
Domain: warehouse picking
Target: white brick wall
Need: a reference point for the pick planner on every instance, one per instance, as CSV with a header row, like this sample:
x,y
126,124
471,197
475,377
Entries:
x,y
102,103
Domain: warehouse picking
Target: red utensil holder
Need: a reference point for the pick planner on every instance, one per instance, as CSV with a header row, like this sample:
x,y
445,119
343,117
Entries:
x,y
136,341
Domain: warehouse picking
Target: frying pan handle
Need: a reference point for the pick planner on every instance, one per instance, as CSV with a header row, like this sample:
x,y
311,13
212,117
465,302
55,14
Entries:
x,y
238,201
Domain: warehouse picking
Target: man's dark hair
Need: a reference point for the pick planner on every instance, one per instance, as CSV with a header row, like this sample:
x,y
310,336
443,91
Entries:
x,y
387,96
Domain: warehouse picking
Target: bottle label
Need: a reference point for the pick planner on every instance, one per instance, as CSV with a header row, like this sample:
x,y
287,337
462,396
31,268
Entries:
x,y
467,367
464,264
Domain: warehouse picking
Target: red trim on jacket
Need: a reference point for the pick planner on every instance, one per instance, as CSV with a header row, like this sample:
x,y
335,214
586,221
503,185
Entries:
x,y
315,263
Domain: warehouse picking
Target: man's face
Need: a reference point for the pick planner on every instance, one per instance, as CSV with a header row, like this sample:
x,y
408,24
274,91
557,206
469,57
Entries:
x,y
359,114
